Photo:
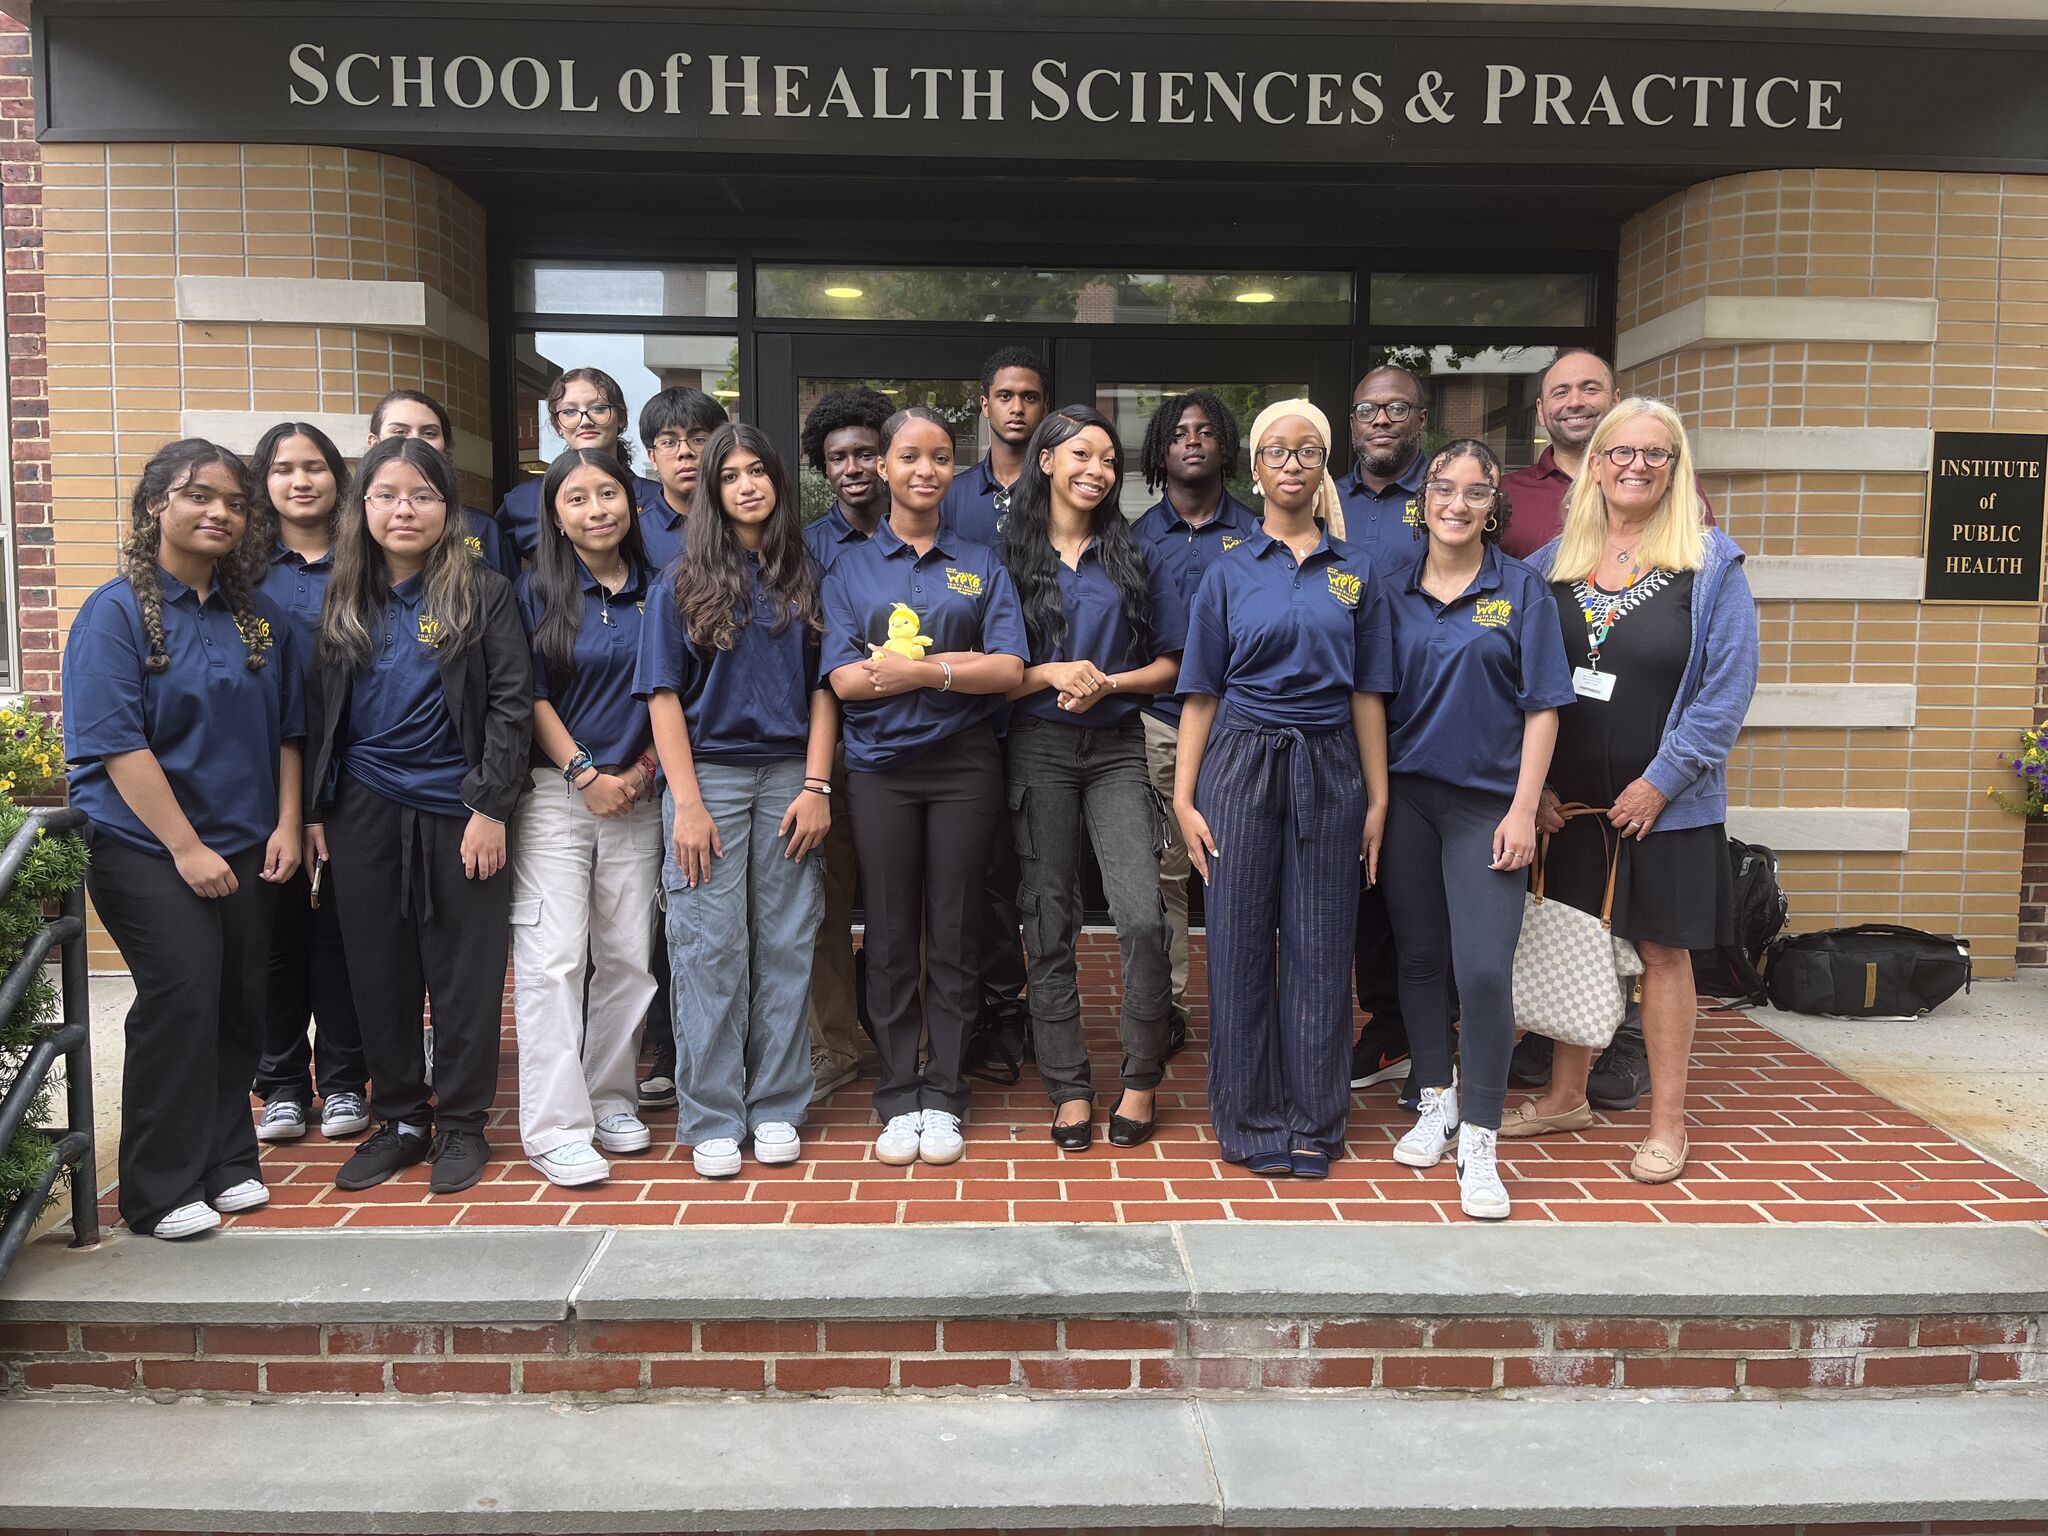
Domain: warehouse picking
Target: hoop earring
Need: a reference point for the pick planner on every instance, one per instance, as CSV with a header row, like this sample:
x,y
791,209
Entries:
x,y
1492,522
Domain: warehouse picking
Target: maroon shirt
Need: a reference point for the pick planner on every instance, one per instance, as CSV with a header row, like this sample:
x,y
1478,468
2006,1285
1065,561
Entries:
x,y
1537,495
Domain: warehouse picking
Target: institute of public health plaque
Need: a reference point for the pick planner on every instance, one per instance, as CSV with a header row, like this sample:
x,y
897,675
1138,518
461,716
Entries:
x,y
1984,517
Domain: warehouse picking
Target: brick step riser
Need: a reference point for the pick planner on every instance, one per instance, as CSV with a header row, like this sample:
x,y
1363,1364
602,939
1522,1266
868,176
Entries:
x,y
1711,1357
1864,1528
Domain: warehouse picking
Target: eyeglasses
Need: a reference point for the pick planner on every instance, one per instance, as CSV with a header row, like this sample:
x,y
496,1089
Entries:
x,y
1623,455
1477,495
1308,455
1396,411
421,501
597,411
668,442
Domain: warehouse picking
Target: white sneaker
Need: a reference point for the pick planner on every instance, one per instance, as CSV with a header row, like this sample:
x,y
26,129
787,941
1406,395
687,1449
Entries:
x,y
718,1158
187,1220
282,1121
940,1141
245,1196
343,1114
573,1164
900,1138
623,1133
776,1141
1430,1136
1480,1191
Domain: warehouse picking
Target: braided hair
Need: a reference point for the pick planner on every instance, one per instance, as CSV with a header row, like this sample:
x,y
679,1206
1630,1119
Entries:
x,y
1159,434
169,471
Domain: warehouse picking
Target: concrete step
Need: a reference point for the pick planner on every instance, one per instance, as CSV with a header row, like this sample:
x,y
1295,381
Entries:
x,y
1049,1310
993,1465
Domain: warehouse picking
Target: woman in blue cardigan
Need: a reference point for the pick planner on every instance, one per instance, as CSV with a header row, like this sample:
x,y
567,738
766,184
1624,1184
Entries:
x,y
1660,630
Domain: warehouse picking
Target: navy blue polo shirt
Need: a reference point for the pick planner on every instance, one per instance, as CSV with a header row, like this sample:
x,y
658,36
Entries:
x,y
298,586
400,740
661,531
1383,526
519,512
1189,550
1097,631
1285,644
1469,670
596,702
976,503
961,598
489,542
830,536
746,707
214,725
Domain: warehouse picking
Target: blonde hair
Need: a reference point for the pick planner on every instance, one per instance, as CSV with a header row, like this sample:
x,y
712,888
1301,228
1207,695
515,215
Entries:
x,y
1329,507
1675,539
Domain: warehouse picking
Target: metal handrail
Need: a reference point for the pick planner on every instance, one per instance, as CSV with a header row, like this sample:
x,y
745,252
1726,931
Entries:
x,y
70,1037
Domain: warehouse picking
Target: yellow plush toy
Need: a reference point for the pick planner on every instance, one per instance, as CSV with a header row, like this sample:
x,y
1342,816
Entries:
x,y
904,639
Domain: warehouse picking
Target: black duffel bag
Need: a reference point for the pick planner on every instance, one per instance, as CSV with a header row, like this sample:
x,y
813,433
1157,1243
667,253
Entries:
x,y
1871,971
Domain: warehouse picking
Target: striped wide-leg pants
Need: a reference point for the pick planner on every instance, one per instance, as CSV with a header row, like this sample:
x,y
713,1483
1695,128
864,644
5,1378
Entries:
x,y
1287,811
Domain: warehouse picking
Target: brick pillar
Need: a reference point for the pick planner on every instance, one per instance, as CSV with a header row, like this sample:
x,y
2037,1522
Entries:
x,y
28,402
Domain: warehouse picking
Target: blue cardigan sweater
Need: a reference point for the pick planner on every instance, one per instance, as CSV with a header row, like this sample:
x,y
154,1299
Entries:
x,y
1691,766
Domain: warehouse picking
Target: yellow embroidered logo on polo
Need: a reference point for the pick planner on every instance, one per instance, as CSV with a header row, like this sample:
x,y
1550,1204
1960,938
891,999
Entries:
x,y
430,630
474,545
1412,514
1493,612
1346,587
254,631
958,580
1231,541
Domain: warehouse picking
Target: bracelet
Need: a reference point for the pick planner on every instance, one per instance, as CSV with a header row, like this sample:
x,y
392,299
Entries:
x,y
594,777
647,762
579,761
819,789
947,685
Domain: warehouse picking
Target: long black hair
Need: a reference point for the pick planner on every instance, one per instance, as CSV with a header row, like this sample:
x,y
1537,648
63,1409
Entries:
x,y
263,513
170,470
554,577
1503,512
713,587
1166,420
1034,563
361,583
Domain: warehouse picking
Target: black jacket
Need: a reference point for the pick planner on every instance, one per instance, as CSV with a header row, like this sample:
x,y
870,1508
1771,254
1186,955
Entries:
x,y
489,688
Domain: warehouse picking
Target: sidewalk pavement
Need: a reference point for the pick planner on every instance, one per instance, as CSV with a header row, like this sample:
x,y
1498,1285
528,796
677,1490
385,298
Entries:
x,y
1977,1066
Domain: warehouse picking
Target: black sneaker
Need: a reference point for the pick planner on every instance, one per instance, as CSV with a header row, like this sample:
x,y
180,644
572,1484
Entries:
x,y
1176,1032
1381,1054
1529,1067
389,1151
1621,1074
459,1158
657,1091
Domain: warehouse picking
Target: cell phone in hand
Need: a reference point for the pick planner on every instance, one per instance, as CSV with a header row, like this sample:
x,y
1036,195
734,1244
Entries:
x,y
319,869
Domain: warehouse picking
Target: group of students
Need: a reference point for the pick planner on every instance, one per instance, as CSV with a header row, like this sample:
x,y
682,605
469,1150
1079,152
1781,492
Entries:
x,y
340,750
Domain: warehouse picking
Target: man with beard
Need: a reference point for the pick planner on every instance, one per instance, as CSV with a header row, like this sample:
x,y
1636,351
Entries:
x,y
1575,393
842,440
1190,452
1015,389
1382,499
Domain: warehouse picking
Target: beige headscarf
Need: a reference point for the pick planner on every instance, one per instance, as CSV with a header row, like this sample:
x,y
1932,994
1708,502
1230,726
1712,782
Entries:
x,y
1329,507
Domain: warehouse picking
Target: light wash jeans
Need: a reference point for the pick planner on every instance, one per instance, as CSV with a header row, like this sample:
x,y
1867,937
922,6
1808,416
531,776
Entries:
x,y
581,885
739,947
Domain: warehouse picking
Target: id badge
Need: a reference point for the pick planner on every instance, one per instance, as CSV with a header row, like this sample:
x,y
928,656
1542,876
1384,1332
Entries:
x,y
1589,684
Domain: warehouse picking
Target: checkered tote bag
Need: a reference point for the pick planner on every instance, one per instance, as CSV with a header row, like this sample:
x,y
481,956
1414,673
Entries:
x,y
1568,964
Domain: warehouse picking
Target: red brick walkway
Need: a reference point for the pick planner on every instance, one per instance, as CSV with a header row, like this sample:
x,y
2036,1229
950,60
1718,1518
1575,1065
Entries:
x,y
1777,1136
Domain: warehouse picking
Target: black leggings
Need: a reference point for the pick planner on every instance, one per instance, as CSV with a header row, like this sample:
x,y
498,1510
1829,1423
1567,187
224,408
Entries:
x,y
1438,851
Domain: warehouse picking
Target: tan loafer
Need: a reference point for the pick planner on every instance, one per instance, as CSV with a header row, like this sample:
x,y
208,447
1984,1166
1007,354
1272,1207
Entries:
x,y
1523,1120
1656,1163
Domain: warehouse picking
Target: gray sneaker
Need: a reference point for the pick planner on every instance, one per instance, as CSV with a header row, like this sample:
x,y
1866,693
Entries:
x,y
343,1114
282,1120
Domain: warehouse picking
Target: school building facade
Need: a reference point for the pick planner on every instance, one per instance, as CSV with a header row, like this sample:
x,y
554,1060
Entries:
x,y
1823,238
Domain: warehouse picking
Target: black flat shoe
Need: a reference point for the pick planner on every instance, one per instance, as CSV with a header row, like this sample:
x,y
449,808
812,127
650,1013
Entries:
x,y
1078,1137
1131,1133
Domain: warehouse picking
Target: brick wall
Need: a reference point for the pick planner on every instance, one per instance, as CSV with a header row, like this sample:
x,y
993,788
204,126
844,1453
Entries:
x,y
1976,245
28,404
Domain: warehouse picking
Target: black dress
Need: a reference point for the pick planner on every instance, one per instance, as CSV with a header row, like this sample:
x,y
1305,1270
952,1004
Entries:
x,y
1673,887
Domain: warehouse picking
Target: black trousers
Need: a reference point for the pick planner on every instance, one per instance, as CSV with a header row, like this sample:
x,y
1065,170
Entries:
x,y
1003,968
1377,969
415,927
200,969
922,831
309,978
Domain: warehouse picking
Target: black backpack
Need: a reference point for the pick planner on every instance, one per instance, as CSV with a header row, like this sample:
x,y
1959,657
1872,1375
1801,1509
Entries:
x,y
1734,972
1871,971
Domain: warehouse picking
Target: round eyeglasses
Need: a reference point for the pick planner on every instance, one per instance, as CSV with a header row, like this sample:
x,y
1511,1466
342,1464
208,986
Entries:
x,y
1308,455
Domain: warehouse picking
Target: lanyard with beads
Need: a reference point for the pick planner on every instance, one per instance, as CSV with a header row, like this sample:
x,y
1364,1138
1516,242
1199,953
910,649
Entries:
x,y
1603,611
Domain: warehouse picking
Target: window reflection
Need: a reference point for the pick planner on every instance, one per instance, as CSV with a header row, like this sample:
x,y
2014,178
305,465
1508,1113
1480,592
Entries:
x,y
1483,298
624,288
1483,392
643,364
1017,295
